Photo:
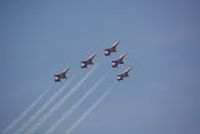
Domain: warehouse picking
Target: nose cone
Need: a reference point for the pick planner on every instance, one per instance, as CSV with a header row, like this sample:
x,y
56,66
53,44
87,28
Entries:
x,y
124,55
116,43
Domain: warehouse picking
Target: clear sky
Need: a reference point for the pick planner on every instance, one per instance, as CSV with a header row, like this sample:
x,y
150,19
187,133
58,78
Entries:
x,y
162,37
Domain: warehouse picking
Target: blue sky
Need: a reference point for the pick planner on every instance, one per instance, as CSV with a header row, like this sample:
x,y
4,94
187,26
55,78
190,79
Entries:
x,y
39,38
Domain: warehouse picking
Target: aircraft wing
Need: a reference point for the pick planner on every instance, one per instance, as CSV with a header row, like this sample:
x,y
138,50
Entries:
x,y
84,61
106,49
57,75
120,75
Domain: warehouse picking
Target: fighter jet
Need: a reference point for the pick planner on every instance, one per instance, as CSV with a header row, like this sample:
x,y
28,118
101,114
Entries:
x,y
118,61
124,74
112,49
88,61
58,77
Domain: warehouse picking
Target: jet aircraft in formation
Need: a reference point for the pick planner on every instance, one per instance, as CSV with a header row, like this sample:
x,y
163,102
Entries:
x,y
124,74
112,49
118,61
89,61
58,77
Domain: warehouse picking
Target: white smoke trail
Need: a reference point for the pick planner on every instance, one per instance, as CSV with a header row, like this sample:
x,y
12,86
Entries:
x,y
76,105
25,113
88,112
60,102
43,108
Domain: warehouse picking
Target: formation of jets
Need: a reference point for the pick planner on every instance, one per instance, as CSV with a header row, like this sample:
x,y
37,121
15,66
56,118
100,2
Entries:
x,y
89,61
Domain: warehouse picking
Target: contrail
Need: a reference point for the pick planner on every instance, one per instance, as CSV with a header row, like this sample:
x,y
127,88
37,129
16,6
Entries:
x,y
86,113
76,105
25,113
60,102
43,108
